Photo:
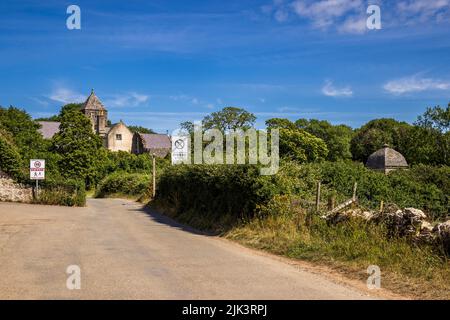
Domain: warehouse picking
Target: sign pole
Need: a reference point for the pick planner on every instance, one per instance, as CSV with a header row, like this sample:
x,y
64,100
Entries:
x,y
154,175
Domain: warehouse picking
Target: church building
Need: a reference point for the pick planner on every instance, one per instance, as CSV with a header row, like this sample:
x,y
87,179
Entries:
x,y
116,137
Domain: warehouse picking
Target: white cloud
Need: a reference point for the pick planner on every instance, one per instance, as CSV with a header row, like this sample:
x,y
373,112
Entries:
x,y
325,13
331,91
130,99
415,84
422,10
66,95
185,98
281,15
356,25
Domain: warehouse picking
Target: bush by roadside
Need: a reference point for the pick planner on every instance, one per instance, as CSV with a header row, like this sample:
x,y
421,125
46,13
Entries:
x,y
213,197
123,184
64,193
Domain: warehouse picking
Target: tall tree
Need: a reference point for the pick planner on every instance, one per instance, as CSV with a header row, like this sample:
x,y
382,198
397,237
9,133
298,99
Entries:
x,y
65,108
374,134
229,118
80,148
24,131
432,136
139,129
337,137
280,123
301,146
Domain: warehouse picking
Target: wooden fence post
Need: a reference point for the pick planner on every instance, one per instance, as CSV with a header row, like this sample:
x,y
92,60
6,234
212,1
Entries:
x,y
381,206
318,196
154,175
331,202
354,191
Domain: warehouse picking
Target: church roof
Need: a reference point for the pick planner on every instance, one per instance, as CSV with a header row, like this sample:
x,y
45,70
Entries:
x,y
386,158
49,128
93,103
155,141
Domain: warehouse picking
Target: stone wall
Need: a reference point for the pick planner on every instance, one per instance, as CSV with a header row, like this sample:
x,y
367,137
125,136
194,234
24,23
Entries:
x,y
12,191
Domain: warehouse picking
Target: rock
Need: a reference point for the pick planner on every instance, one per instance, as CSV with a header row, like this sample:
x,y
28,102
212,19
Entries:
x,y
15,192
407,222
442,233
426,227
414,213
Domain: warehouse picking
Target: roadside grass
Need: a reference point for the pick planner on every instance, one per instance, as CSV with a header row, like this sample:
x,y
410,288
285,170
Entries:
x,y
350,247
62,193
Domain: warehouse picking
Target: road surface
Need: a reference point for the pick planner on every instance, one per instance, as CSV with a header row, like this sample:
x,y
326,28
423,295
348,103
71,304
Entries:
x,y
126,252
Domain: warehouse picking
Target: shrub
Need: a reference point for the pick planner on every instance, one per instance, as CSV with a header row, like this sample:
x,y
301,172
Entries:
x,y
126,184
65,193
10,159
214,192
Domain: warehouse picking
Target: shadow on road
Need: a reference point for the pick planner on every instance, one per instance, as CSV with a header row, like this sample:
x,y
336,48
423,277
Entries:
x,y
163,219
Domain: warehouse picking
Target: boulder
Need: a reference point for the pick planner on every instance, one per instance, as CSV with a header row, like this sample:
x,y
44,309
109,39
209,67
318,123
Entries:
x,y
407,222
414,213
442,234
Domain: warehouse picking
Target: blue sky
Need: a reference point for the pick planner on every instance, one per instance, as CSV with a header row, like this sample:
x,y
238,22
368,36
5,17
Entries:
x,y
157,63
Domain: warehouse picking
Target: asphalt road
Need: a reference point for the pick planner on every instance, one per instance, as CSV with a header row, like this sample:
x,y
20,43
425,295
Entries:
x,y
125,252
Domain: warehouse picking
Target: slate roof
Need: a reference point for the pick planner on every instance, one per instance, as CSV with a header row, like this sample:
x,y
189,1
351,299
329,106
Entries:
x,y
386,158
93,103
49,128
155,141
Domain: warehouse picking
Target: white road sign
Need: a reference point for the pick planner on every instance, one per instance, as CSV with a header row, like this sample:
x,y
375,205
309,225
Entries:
x,y
37,169
180,149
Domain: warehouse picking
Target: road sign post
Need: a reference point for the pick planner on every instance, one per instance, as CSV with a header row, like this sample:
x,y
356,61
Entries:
x,y
37,171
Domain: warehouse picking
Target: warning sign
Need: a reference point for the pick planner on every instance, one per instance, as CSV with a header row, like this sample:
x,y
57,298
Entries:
x,y
180,149
37,169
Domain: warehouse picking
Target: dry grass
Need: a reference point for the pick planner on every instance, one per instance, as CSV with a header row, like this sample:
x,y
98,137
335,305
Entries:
x,y
417,272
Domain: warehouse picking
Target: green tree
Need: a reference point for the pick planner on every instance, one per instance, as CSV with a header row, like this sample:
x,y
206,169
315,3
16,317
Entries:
x,y
229,118
337,137
374,134
66,108
431,141
280,123
24,132
302,146
139,129
10,159
82,154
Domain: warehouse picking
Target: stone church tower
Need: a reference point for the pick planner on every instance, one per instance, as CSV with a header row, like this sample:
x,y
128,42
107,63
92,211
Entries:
x,y
97,113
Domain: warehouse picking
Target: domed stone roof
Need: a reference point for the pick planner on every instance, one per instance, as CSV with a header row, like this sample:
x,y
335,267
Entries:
x,y
386,159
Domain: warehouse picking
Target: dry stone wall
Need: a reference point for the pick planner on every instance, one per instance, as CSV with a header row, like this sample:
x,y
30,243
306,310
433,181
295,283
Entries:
x,y
12,191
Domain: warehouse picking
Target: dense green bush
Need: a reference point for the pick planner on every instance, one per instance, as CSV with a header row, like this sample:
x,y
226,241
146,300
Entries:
x,y
226,192
10,159
62,192
214,192
423,187
124,184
